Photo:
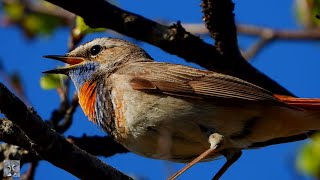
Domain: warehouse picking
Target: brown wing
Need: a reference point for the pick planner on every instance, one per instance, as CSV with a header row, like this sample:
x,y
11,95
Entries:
x,y
186,81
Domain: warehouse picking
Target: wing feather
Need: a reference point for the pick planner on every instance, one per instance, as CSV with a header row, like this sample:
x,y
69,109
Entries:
x,y
181,80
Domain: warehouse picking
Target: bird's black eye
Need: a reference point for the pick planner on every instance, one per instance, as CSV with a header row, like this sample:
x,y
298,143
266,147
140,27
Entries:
x,y
95,50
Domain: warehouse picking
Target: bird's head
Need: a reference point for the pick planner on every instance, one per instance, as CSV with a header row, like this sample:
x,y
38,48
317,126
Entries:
x,y
95,61
98,57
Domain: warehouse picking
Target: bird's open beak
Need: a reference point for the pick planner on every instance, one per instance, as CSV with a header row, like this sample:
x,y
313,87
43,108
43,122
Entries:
x,y
72,61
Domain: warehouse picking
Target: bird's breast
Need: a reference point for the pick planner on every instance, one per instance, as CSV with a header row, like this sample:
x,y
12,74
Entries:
x,y
87,99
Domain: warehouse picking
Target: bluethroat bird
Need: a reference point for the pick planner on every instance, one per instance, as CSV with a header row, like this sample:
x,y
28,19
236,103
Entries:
x,y
175,112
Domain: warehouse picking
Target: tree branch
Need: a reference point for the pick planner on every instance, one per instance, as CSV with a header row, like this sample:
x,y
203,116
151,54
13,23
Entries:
x,y
266,35
65,113
219,19
68,115
173,39
249,30
50,145
11,134
95,145
98,146
29,175
256,48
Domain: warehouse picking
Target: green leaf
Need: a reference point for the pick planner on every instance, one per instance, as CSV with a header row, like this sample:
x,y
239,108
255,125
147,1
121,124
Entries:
x,y
40,24
308,160
14,10
51,81
306,11
81,28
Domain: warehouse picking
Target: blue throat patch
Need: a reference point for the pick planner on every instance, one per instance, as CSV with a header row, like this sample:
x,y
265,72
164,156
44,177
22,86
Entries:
x,y
82,73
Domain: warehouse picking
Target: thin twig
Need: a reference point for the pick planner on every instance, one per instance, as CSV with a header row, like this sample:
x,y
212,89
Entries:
x,y
39,7
29,175
258,31
313,34
266,35
68,116
254,49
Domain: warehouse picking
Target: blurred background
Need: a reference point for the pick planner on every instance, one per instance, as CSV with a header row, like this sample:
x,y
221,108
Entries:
x,y
27,35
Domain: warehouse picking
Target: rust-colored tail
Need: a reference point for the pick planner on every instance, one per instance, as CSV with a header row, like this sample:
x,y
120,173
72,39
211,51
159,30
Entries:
x,y
311,104
283,121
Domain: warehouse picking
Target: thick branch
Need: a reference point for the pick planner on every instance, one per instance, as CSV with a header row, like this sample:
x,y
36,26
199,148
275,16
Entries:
x,y
95,145
50,145
219,19
98,146
11,134
173,39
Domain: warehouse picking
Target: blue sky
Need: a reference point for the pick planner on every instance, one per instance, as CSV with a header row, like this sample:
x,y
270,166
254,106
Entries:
x,y
293,64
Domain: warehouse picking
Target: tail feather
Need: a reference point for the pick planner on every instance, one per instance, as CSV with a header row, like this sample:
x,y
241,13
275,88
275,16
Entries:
x,y
311,104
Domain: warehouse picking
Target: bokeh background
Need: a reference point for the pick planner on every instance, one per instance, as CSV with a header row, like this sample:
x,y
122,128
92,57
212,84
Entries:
x,y
293,64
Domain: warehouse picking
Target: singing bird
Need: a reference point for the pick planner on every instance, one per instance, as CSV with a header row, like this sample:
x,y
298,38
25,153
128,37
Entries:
x,y
175,112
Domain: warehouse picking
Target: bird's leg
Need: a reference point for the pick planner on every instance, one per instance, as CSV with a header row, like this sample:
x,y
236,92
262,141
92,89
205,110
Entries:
x,y
215,141
232,157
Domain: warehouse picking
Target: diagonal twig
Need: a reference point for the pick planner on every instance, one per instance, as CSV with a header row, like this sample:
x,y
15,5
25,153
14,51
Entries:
x,y
256,48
